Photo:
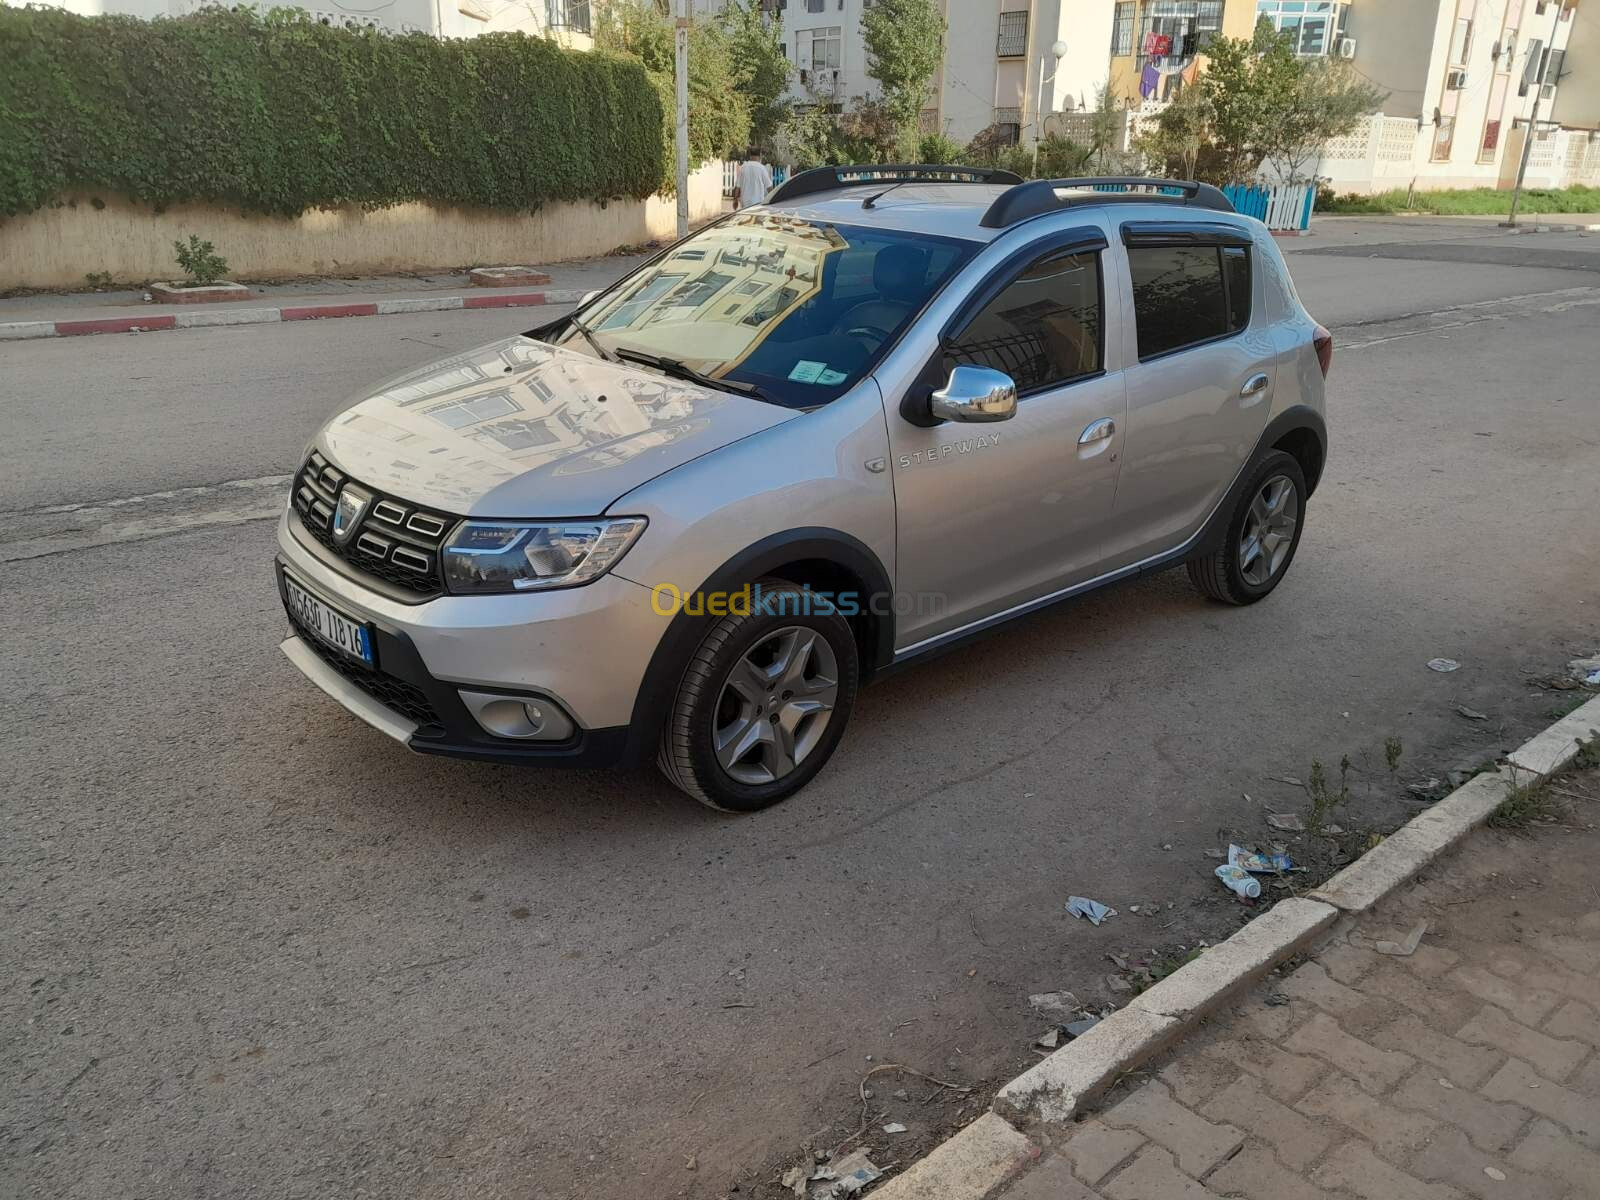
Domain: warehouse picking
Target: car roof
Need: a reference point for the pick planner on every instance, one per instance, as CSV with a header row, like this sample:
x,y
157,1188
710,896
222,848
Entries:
x,y
941,209
958,210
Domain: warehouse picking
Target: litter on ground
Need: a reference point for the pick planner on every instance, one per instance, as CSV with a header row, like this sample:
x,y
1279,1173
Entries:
x,y
1471,714
1286,821
1239,881
1585,670
1054,1002
1443,664
1076,1029
1406,948
1261,864
1082,906
894,1127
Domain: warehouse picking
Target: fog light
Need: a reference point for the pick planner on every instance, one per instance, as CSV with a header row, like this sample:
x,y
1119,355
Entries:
x,y
518,716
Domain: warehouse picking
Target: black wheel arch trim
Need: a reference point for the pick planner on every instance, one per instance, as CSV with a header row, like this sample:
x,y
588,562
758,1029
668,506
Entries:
x,y
1290,420
686,631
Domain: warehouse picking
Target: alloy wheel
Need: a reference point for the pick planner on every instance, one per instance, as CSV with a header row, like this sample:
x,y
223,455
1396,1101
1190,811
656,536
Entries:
x,y
1269,530
775,705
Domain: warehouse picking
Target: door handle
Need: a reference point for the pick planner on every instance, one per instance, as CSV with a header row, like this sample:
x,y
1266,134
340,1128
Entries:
x,y
1253,386
1097,431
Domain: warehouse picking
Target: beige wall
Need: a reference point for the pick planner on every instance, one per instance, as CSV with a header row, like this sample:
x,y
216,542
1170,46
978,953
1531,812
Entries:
x,y
57,247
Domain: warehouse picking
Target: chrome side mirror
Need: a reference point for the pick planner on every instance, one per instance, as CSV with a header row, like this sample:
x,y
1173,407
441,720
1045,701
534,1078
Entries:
x,y
975,394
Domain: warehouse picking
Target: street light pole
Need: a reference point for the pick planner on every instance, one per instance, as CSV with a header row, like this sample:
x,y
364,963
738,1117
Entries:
x,y
1059,49
1533,119
681,74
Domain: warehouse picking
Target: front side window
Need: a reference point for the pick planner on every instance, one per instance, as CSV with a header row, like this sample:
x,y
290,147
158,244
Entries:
x,y
799,309
1044,329
1185,295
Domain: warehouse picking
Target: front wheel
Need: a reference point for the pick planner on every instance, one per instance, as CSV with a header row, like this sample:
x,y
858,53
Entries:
x,y
763,702
1262,535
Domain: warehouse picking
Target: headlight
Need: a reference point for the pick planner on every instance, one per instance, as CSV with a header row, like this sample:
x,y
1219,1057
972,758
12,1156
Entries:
x,y
509,556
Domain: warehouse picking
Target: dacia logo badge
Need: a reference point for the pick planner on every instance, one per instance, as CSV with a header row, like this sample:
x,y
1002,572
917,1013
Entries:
x,y
347,512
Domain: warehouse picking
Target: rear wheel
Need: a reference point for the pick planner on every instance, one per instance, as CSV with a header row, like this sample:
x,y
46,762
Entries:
x,y
1262,535
763,702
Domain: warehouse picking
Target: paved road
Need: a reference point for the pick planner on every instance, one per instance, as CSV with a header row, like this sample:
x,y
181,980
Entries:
x,y
252,949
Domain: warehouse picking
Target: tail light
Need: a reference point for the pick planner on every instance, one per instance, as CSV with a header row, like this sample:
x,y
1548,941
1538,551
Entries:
x,y
1323,341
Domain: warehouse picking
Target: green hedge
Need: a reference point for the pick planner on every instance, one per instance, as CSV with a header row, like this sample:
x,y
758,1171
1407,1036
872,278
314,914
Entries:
x,y
278,114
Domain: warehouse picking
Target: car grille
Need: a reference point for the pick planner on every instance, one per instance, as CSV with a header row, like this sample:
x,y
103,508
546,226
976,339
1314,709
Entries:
x,y
404,698
393,540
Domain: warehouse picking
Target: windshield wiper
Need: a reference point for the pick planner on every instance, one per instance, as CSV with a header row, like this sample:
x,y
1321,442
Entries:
x,y
682,370
588,336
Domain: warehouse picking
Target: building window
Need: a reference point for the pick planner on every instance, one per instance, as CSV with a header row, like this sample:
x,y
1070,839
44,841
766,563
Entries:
x,y
568,14
814,6
1444,136
1178,28
1461,42
1008,124
819,48
1013,39
1122,29
1316,24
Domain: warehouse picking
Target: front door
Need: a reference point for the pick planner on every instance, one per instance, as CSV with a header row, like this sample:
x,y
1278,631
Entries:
x,y
993,515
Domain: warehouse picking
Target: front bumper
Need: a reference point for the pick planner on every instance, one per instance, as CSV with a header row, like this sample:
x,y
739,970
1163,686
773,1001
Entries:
x,y
584,648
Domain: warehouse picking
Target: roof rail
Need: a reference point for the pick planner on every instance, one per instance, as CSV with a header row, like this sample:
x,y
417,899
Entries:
x,y
1040,196
827,179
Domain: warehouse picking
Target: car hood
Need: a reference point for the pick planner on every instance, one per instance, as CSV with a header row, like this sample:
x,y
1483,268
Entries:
x,y
519,428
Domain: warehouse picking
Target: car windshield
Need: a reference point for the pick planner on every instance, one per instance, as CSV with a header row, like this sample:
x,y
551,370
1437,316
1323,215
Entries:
x,y
792,311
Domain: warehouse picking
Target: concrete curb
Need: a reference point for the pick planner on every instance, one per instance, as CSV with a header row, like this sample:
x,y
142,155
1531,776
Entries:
x,y
153,322
976,1160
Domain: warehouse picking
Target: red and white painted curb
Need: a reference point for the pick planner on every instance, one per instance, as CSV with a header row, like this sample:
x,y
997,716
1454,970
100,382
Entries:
x,y
152,322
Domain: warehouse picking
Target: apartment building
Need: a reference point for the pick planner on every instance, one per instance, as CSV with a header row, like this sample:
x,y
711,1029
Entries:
x,y
1000,64
1462,78
1158,46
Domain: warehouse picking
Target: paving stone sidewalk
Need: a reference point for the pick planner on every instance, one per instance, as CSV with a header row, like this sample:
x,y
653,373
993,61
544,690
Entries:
x,y
1470,1069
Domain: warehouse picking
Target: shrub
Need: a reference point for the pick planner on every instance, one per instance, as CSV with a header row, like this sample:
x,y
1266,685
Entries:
x,y
937,148
200,261
277,113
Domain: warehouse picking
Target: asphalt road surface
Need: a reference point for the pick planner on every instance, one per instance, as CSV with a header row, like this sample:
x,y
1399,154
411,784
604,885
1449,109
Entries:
x,y
251,947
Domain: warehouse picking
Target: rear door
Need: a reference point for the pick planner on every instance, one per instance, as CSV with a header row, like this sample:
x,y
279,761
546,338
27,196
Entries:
x,y
1200,378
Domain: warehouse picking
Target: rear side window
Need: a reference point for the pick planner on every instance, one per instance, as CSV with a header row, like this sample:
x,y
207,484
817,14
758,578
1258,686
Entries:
x,y
1043,329
1184,295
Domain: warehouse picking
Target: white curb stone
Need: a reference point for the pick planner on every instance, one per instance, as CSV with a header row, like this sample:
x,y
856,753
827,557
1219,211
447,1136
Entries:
x,y
1408,849
1204,985
228,316
1547,753
1085,1069
979,1158
419,304
26,329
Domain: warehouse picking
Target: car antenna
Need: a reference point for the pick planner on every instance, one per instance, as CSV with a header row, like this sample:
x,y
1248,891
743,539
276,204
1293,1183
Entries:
x,y
876,196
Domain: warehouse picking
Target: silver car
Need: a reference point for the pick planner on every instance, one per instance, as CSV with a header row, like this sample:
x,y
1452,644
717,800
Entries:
x,y
815,441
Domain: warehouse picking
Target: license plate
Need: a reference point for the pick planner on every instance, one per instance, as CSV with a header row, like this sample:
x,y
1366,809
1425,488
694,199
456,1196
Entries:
x,y
331,626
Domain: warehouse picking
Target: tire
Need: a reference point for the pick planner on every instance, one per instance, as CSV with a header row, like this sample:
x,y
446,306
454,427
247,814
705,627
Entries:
x,y
1240,571
733,694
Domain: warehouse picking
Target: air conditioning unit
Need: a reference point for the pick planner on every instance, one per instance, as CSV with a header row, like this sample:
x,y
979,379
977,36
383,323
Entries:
x,y
1345,47
1455,80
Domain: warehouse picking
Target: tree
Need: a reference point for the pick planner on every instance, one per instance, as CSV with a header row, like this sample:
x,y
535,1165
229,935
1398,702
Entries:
x,y
1267,105
1173,146
905,45
756,45
719,108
